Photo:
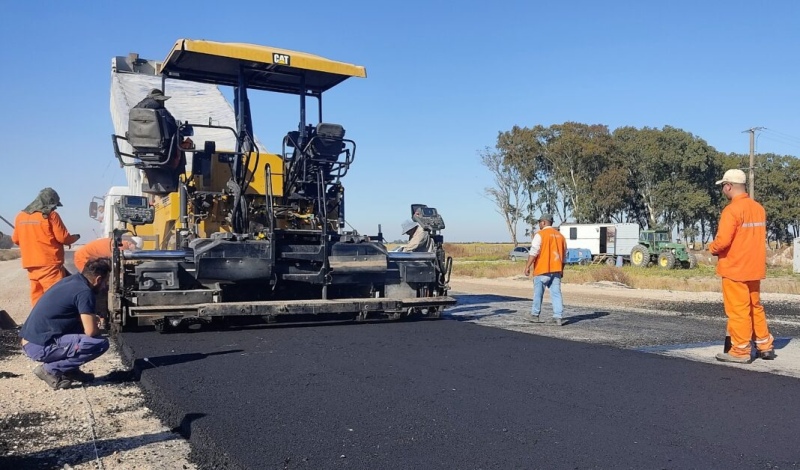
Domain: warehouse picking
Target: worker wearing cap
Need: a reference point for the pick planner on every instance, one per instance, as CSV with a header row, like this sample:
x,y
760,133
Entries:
x,y
41,236
741,245
418,238
546,256
101,248
155,100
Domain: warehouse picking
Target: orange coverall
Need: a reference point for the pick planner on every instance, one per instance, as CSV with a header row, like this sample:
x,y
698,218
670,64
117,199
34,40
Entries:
x,y
100,248
741,244
41,242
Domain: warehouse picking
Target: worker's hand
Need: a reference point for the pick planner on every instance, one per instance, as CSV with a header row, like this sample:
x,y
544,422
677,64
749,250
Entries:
x,y
527,272
77,236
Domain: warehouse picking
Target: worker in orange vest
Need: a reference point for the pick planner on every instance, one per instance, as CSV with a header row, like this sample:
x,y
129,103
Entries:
x,y
101,248
741,245
546,256
41,236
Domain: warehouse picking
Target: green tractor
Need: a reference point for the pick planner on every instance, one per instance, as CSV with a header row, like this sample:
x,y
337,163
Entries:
x,y
656,246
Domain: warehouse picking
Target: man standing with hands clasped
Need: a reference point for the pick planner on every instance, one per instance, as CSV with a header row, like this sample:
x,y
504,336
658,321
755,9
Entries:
x,y
741,245
548,250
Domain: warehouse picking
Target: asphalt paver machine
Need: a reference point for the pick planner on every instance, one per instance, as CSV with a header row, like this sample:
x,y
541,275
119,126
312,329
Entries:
x,y
243,233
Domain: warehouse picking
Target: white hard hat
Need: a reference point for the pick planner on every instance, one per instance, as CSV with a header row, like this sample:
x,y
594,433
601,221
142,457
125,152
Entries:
x,y
408,225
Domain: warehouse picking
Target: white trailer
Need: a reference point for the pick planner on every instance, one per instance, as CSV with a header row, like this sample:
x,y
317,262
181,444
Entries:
x,y
603,240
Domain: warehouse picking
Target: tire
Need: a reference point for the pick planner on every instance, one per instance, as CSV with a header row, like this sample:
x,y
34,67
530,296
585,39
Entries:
x,y
692,261
611,261
666,260
584,262
640,256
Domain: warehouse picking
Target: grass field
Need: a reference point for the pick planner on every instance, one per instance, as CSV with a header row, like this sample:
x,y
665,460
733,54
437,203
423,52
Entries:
x,y
486,260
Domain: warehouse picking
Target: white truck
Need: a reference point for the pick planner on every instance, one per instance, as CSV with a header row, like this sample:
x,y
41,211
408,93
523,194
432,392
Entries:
x,y
605,241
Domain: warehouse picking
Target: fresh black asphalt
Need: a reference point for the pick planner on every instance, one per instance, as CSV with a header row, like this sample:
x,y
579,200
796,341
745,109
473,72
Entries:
x,y
448,394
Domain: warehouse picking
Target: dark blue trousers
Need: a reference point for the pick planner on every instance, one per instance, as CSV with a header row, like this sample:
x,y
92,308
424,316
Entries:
x,y
66,352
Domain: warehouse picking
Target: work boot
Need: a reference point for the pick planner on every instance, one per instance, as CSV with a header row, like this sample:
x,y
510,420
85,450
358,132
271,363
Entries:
x,y
77,375
55,382
767,355
535,319
726,357
557,321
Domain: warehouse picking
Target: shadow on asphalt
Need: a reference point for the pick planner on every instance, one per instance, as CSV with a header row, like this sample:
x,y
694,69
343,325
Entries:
x,y
588,316
478,302
142,364
185,426
469,317
164,361
471,299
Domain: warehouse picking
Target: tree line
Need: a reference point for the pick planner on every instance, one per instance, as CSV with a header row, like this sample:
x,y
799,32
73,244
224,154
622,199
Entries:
x,y
664,177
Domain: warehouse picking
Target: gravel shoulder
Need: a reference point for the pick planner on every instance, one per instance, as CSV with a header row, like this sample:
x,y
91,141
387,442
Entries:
x,y
104,425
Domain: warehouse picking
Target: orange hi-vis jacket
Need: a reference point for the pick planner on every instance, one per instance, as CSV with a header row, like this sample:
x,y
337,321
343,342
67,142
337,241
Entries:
x,y
41,239
100,248
741,241
550,258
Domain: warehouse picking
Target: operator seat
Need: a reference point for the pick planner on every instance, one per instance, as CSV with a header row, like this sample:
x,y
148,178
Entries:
x,y
153,134
328,144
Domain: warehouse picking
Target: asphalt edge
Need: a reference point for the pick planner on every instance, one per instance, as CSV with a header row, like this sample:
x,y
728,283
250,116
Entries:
x,y
204,451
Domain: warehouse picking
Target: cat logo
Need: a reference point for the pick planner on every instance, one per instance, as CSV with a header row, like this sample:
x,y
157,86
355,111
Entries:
x,y
282,59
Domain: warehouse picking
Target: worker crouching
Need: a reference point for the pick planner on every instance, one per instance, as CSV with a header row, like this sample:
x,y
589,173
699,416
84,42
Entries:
x,y
62,331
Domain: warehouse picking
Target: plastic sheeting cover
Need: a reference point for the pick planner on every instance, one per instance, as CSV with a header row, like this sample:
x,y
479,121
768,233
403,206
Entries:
x,y
189,102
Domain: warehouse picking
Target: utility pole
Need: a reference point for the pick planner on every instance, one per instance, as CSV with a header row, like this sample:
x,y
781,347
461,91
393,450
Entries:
x,y
752,132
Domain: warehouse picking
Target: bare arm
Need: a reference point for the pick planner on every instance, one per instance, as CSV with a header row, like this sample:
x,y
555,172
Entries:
x,y
536,246
90,324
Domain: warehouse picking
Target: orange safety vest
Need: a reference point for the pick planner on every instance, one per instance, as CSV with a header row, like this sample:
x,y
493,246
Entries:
x,y
741,241
100,248
552,253
41,239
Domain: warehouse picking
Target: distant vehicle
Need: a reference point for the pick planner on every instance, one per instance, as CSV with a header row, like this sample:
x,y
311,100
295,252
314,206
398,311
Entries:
x,y
605,241
582,256
518,253
656,247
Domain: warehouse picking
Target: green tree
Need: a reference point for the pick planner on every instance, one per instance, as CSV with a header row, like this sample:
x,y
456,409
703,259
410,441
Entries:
x,y
578,153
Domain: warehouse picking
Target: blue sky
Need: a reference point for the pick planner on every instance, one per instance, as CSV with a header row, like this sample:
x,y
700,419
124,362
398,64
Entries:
x,y
443,79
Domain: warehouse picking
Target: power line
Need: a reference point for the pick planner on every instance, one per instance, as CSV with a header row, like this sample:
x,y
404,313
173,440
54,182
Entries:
x,y
781,141
782,134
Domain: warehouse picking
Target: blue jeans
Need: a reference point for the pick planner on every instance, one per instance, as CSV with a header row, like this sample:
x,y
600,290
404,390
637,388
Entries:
x,y
66,352
552,282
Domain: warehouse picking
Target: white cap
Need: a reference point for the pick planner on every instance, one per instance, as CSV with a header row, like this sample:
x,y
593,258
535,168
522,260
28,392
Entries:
x,y
733,176
407,226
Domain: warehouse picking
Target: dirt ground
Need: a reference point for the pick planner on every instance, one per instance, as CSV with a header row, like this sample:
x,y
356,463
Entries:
x,y
99,426
106,425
